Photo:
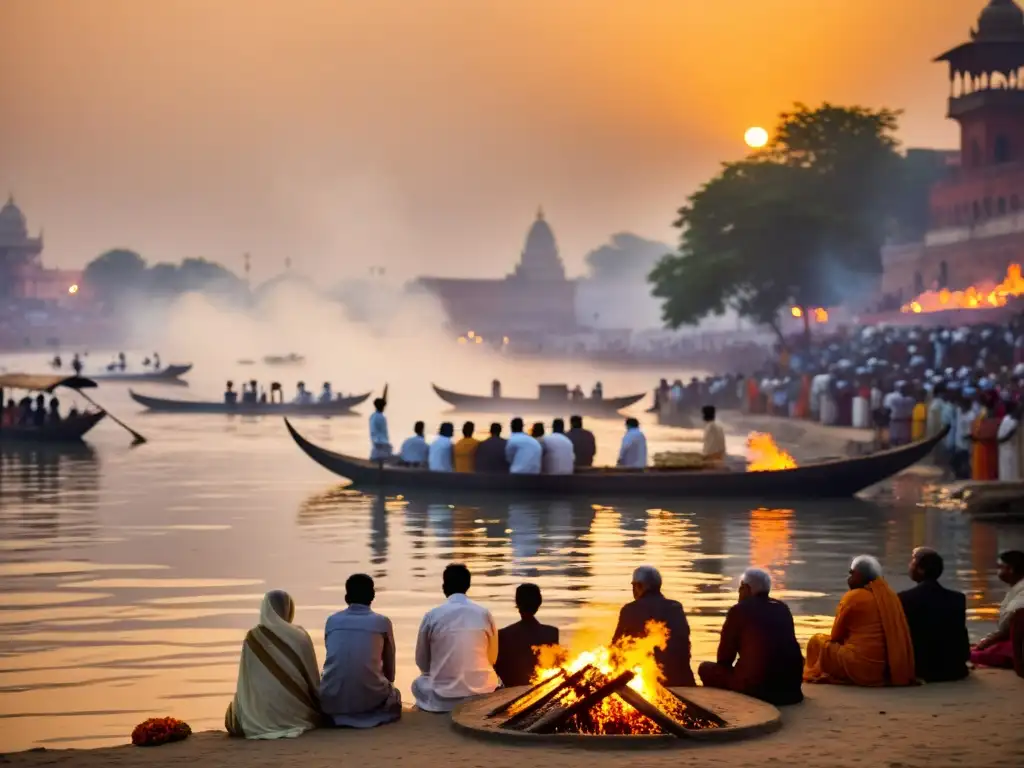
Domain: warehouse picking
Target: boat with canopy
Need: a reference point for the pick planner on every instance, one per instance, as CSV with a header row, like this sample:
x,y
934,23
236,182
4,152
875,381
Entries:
x,y
68,429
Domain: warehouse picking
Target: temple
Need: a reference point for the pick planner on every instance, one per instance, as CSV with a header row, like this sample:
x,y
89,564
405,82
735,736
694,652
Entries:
x,y
536,297
22,274
977,209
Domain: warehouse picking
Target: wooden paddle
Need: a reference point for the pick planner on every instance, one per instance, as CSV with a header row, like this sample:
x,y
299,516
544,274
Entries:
x,y
384,397
137,439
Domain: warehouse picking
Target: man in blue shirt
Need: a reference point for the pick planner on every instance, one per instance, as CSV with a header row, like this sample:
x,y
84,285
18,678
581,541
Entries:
x,y
440,453
357,688
523,452
414,449
633,452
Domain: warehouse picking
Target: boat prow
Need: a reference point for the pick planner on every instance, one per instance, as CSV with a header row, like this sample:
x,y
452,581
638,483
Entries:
x,y
827,479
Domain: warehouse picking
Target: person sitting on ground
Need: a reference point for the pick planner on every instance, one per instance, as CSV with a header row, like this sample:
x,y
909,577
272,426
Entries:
x,y
278,691
456,647
39,412
53,417
490,454
870,642
518,643
465,449
714,436
583,444
326,395
357,689
937,618
440,455
996,648
650,605
758,629
522,452
558,457
414,449
633,451
230,396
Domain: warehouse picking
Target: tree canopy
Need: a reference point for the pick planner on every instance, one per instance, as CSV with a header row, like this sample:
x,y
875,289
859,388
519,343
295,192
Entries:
x,y
120,273
626,256
801,222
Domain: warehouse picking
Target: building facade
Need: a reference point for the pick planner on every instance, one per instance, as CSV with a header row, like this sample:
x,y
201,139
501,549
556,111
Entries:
x,y
535,298
22,274
977,210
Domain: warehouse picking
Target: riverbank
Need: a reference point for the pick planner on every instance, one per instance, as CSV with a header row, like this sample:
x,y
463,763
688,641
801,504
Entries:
x,y
805,440
974,722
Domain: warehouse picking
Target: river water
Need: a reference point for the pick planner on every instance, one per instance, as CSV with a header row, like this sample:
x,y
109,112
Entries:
x,y
130,575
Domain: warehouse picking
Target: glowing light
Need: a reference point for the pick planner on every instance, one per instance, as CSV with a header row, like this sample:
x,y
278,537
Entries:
x,y
796,312
478,339
756,137
470,334
73,289
504,339
982,296
820,315
763,455
462,339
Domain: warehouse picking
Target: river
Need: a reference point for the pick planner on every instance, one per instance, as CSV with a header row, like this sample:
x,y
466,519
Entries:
x,y
130,575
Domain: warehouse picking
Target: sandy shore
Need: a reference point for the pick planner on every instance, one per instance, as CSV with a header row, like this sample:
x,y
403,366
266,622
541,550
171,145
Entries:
x,y
970,723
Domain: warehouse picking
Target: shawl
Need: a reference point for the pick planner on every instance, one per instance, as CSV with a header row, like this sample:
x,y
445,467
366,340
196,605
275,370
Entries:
x,y
899,649
1013,602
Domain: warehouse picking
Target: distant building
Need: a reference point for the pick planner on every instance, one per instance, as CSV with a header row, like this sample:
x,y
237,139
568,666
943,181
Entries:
x,y
22,274
976,227
537,297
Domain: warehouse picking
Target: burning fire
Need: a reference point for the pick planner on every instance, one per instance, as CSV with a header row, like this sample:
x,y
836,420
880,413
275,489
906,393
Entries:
x,y
984,296
763,455
817,314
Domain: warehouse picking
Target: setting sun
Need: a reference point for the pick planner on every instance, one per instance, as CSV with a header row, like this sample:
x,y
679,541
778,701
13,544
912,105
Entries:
x,y
756,137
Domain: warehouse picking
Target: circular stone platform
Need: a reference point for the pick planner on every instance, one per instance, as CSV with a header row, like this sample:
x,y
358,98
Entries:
x,y
745,717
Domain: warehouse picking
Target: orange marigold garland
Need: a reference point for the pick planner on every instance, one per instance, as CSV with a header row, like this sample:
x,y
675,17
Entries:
x,y
160,730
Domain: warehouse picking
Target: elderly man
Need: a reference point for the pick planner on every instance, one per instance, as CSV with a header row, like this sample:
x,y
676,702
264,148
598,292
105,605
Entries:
x,y
870,641
650,605
937,618
758,629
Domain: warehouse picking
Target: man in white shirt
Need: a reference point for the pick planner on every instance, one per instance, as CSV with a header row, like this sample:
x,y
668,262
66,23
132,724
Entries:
x,y
522,451
633,452
456,648
559,455
380,443
441,451
414,449
714,437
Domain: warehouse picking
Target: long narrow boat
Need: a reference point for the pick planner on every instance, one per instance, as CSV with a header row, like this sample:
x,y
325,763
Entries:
x,y
535,405
68,430
826,479
170,375
340,406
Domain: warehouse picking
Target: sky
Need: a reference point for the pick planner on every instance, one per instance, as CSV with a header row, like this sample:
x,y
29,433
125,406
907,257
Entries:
x,y
420,135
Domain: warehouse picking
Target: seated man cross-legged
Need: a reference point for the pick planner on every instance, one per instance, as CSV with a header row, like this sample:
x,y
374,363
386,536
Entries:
x,y
517,657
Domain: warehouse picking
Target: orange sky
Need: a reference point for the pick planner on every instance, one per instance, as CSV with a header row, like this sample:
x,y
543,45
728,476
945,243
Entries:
x,y
420,134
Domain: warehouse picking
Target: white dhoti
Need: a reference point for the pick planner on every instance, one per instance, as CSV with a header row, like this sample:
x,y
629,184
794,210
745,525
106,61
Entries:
x,y
861,413
427,698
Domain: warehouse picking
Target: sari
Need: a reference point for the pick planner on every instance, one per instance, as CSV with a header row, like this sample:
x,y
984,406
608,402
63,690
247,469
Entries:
x,y
278,691
1011,612
985,453
870,642
918,422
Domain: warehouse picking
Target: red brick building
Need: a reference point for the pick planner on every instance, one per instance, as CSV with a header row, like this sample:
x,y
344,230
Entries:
x,y
977,210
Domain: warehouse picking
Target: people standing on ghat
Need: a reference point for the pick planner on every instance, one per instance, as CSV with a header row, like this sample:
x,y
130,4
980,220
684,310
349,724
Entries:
x,y
414,449
440,455
996,648
633,451
650,605
522,452
759,630
919,418
984,431
456,647
714,436
465,449
380,443
558,456
901,416
584,446
937,618
357,689
518,643
278,691
490,454
961,462
1009,444
870,641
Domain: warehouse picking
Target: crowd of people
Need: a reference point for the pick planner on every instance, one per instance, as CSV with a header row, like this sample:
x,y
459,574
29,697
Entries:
x,y
34,413
252,393
878,638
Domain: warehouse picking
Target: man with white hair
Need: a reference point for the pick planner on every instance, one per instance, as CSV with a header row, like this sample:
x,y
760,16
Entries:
x,y
759,630
650,605
870,640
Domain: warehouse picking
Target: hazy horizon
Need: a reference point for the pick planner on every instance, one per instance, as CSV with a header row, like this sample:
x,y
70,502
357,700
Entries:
x,y
420,137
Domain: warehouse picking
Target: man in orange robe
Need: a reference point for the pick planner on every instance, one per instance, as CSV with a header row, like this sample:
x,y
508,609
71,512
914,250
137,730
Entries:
x,y
870,642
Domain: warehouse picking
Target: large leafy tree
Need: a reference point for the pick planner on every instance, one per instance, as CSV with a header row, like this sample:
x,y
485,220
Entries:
x,y
625,257
113,274
797,223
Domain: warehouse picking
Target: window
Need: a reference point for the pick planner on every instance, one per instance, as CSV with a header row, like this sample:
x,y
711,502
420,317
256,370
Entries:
x,y
1002,149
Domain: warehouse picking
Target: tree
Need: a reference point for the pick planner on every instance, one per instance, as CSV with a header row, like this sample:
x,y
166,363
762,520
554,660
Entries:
x,y
799,223
113,274
627,256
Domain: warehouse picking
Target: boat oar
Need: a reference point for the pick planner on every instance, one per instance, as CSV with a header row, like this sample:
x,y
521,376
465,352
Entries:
x,y
137,439
384,397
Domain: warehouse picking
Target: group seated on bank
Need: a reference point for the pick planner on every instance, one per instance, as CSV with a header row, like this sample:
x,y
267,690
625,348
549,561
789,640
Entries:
x,y
23,414
252,393
878,638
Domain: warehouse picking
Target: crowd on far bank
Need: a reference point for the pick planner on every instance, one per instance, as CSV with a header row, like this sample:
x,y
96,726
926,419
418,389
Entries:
x,y
878,638
905,383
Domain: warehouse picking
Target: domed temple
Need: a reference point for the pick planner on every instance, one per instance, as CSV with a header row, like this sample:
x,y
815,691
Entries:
x,y
535,297
22,275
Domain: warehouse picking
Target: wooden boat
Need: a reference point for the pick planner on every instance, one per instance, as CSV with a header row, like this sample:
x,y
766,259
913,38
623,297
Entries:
x,y
557,403
826,479
170,375
340,406
68,430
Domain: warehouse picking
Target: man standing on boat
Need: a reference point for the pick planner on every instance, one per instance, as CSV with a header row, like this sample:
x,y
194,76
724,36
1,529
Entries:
x,y
380,444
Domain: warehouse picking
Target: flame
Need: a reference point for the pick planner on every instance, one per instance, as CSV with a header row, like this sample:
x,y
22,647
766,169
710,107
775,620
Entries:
x,y
982,296
820,315
763,455
796,312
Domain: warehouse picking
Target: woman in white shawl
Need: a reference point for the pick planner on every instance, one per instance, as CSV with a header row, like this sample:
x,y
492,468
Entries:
x,y
996,649
1009,452
278,693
